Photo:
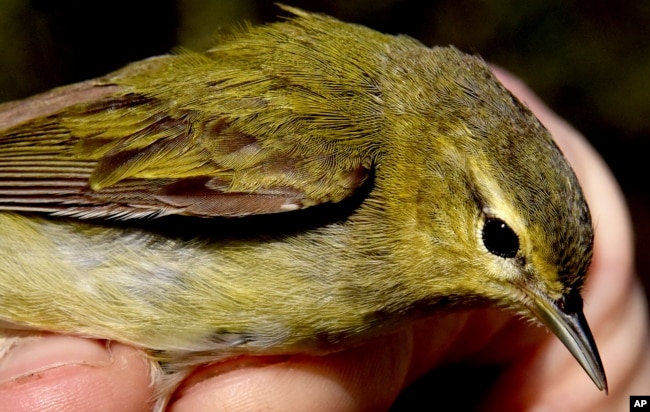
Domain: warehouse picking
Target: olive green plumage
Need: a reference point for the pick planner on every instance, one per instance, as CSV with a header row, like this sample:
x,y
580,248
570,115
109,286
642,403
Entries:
x,y
373,179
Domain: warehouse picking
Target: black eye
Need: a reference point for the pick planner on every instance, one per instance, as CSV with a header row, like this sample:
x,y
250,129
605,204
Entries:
x,y
499,239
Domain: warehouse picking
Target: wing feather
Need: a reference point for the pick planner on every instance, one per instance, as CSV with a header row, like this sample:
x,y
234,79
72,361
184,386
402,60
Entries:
x,y
249,127
159,165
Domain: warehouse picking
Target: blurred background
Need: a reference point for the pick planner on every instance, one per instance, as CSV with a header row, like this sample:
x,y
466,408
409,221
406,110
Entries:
x,y
589,60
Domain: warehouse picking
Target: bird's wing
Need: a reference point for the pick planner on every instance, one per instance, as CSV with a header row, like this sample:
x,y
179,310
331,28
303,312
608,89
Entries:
x,y
127,155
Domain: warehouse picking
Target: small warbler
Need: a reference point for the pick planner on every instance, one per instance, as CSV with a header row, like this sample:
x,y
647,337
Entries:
x,y
298,187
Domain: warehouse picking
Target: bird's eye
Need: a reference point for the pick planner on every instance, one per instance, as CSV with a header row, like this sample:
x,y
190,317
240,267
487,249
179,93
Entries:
x,y
499,239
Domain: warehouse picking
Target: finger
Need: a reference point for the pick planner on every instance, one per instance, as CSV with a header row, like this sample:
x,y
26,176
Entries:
x,y
52,372
367,377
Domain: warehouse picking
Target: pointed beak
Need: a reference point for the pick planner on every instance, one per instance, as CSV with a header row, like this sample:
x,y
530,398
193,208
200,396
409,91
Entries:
x,y
566,320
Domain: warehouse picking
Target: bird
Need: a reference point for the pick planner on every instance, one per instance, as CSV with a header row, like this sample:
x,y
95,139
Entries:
x,y
297,188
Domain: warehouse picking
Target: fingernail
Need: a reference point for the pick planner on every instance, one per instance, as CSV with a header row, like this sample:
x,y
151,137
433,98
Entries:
x,y
30,355
218,369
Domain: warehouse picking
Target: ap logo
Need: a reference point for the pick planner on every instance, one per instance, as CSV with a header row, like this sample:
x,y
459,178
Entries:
x,y
639,403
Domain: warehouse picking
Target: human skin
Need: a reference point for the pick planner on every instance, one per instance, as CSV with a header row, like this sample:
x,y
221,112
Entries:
x,y
70,373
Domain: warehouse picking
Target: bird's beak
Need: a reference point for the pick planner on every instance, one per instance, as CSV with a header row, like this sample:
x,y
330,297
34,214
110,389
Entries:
x,y
566,320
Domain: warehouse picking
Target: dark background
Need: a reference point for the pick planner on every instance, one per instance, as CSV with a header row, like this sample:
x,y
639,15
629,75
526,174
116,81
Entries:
x,y
589,60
